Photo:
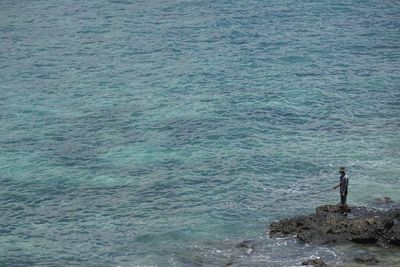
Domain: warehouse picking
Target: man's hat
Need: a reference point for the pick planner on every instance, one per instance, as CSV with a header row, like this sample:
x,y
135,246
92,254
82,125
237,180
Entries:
x,y
342,169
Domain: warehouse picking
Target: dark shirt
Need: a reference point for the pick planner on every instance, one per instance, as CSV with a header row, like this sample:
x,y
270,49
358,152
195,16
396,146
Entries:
x,y
344,182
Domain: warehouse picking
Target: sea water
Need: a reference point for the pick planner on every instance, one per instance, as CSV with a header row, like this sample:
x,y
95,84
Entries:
x,y
164,133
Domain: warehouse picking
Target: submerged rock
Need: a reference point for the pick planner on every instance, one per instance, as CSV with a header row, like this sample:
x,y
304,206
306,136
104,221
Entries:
x,y
369,260
316,262
247,245
330,225
383,200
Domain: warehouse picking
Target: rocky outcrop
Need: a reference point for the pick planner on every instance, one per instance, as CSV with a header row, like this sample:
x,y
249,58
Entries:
x,y
330,225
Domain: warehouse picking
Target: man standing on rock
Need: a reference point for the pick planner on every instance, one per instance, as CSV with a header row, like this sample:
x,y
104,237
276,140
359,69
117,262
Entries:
x,y
344,182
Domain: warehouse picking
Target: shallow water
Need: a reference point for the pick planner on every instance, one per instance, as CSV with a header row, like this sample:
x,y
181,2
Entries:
x,y
166,132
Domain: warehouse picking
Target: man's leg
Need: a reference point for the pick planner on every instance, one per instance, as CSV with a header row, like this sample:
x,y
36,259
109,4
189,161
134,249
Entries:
x,y
343,204
342,200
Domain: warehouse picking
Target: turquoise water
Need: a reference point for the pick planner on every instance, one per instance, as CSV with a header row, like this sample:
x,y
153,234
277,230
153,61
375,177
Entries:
x,y
163,133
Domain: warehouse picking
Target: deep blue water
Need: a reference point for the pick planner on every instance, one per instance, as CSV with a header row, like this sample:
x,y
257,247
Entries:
x,y
163,133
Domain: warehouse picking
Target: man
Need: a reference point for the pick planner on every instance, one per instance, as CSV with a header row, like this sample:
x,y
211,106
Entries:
x,y
344,182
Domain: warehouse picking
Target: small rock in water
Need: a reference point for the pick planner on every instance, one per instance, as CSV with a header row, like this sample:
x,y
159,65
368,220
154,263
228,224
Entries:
x,y
316,262
369,260
247,245
229,263
383,200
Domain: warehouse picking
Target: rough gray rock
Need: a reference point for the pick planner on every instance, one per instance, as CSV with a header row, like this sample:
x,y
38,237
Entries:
x,y
329,225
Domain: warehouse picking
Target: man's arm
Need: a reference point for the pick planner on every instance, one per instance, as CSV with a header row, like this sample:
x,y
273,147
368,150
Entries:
x,y
336,186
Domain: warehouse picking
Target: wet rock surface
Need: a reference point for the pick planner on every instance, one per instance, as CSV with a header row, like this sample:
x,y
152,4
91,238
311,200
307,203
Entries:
x,y
330,225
